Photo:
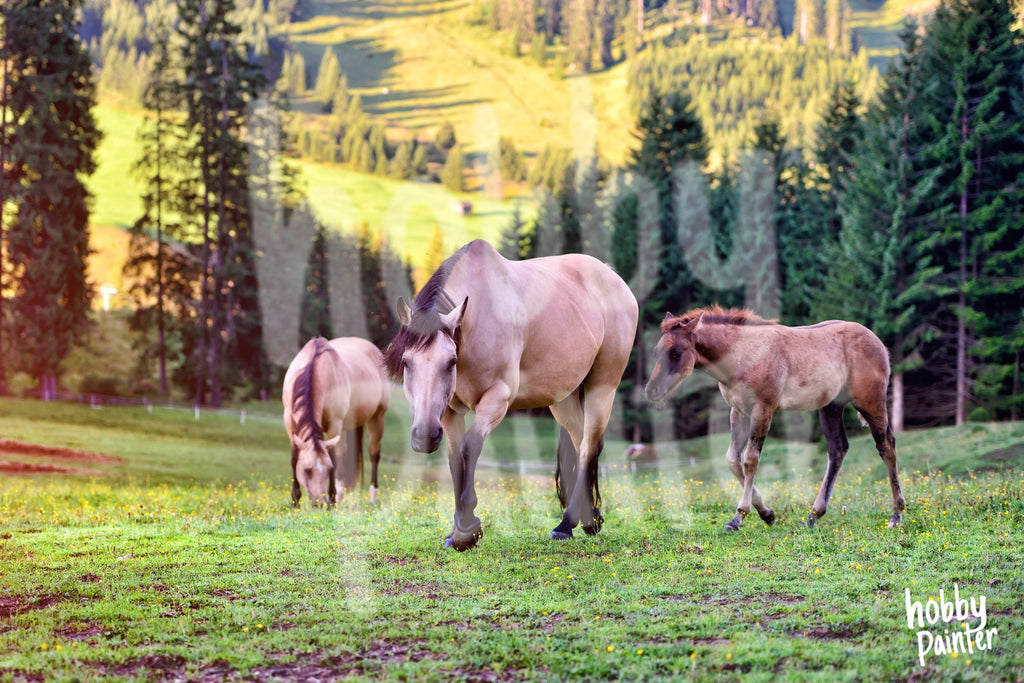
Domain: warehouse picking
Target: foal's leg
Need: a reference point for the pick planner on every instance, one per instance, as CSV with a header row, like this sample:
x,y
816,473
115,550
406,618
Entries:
x,y
760,422
885,443
739,432
831,418
583,505
376,425
489,412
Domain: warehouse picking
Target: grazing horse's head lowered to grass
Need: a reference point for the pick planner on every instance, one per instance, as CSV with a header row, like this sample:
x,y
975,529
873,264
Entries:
x,y
762,367
334,388
489,335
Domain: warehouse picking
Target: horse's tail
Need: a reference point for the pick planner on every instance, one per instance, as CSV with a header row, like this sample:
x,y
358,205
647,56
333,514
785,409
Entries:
x,y
565,470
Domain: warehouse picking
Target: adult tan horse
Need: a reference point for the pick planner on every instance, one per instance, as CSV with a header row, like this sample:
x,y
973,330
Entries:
x,y
762,367
553,331
333,389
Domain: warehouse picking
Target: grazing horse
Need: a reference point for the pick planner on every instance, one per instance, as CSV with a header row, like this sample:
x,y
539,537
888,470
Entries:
x,y
762,367
489,335
332,389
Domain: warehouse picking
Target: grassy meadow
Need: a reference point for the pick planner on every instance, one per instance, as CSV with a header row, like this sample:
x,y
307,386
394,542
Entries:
x,y
178,557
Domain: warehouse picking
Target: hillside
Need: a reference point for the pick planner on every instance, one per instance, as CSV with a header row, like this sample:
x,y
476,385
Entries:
x,y
416,63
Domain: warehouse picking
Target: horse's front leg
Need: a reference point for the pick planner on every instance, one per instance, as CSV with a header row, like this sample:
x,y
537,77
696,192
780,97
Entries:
x,y
462,461
739,433
760,422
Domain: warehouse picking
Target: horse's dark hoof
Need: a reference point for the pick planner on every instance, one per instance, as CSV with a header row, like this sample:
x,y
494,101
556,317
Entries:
x,y
594,526
768,516
734,523
895,520
462,541
811,519
557,535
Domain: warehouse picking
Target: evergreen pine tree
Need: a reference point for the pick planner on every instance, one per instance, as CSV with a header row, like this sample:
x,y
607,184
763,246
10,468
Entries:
x,y
453,174
47,146
975,60
671,139
315,317
220,83
880,262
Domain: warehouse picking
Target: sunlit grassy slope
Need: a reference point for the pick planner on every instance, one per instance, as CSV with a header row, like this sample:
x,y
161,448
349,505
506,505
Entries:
x,y
416,63
406,211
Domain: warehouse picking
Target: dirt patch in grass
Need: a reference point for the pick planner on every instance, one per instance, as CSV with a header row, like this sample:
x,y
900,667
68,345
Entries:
x,y
26,677
428,591
80,632
711,642
21,448
14,467
829,633
13,606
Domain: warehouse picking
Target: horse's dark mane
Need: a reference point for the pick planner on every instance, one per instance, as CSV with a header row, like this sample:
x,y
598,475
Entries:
x,y
302,398
716,315
430,304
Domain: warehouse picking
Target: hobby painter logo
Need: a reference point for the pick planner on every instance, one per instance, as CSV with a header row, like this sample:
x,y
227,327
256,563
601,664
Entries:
x,y
936,638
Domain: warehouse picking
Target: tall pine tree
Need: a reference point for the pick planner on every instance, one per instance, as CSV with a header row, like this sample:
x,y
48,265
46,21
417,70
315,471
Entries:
x,y
974,60
47,146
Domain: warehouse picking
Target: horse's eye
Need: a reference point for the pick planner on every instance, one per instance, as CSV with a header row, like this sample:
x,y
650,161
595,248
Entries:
x,y
405,362
674,355
452,362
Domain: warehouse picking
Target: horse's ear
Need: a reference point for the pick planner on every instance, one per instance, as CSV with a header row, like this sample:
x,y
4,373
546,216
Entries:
x,y
331,443
404,314
454,319
668,315
690,325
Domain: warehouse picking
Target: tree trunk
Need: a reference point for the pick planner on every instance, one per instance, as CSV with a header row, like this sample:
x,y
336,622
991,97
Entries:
x,y
1015,390
961,326
161,335
896,414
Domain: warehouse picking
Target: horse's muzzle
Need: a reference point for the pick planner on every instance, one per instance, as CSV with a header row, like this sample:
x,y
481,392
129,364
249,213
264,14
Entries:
x,y
426,440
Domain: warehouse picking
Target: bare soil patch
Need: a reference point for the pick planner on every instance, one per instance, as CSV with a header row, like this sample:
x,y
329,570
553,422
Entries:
x,y
21,448
13,606
14,467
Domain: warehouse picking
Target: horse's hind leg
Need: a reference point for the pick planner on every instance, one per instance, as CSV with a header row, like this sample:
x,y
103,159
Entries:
x,y
831,418
569,415
739,432
296,489
585,501
376,425
885,443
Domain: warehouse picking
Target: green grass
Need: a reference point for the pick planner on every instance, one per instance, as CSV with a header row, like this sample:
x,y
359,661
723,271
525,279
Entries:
x,y
186,561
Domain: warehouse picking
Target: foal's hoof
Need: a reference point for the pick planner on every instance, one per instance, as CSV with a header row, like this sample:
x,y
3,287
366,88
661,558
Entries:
x,y
895,520
768,516
734,523
811,519
594,525
462,541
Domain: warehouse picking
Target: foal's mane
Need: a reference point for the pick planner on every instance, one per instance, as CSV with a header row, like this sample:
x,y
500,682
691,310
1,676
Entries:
x,y
716,315
430,304
306,426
